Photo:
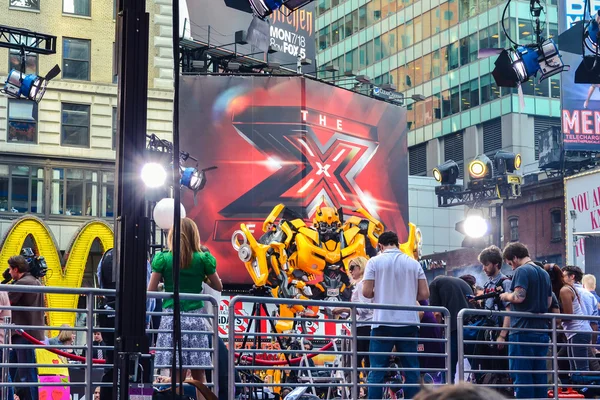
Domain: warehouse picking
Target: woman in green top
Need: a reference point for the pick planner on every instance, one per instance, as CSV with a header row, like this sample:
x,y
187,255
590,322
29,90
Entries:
x,y
196,267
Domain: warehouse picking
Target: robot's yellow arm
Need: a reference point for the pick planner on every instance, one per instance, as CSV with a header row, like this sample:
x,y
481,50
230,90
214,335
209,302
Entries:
x,y
412,247
255,255
375,229
272,217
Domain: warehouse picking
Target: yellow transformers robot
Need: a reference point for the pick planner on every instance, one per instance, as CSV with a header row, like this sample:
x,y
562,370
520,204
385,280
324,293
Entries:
x,y
297,261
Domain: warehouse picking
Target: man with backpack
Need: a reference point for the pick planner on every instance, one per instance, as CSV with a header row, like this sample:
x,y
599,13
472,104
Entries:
x,y
491,259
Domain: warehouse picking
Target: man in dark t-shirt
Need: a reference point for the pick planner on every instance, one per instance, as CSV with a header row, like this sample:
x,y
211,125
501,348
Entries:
x,y
531,292
450,292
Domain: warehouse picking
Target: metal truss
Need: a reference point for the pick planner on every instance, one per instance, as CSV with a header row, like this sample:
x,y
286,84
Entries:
x,y
26,40
471,197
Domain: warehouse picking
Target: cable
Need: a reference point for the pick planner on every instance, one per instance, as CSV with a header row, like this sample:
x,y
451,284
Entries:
x,y
61,353
258,361
503,27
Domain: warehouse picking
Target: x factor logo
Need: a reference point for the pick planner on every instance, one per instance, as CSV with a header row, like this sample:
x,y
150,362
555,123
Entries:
x,y
314,156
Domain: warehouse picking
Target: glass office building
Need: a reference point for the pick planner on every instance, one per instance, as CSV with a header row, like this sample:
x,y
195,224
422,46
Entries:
x,y
430,47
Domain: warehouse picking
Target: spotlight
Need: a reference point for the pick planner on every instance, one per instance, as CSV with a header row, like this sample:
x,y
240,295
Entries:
x,y
506,162
481,167
475,226
154,175
447,173
263,8
31,87
193,179
516,66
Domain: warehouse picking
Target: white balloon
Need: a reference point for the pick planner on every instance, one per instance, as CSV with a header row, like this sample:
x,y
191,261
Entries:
x,y
163,213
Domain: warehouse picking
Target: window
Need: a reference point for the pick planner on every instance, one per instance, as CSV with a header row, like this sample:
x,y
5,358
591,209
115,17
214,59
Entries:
x,y
362,17
74,192
555,87
31,62
108,194
492,136
513,223
75,125
417,160
324,38
114,128
77,7
556,216
29,4
454,150
452,56
76,59
337,33
455,100
446,109
21,189
22,121
323,6
465,97
348,25
474,84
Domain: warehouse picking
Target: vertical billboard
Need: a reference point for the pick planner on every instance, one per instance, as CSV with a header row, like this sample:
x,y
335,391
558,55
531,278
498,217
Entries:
x,y
291,35
582,198
288,140
580,101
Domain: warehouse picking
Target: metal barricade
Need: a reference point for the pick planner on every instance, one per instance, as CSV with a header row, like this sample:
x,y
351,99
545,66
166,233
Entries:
x,y
474,335
277,358
91,373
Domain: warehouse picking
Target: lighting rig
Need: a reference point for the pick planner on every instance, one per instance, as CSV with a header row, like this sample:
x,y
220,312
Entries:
x,y
490,180
19,84
516,65
159,160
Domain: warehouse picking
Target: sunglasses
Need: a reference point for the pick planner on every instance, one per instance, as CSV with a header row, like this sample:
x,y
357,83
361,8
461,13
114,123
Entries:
x,y
351,267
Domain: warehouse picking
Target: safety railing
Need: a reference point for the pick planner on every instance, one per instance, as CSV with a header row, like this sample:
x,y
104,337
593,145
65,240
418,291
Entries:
x,y
18,338
274,349
539,362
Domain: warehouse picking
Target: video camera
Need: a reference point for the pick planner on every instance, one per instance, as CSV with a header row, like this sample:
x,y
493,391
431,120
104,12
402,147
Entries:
x,y
37,264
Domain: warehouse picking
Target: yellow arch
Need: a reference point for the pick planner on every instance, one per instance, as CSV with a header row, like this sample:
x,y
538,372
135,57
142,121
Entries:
x,y
75,258
72,275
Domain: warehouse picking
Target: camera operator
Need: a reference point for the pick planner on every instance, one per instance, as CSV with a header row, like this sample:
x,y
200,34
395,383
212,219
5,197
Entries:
x,y
20,273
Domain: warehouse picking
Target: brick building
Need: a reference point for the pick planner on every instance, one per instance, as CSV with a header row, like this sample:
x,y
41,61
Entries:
x,y
536,219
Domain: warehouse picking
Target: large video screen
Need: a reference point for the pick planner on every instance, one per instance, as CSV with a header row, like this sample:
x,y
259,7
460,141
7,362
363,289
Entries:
x,y
288,140
580,101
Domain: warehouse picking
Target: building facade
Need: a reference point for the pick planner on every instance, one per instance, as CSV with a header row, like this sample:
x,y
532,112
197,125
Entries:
x,y
58,156
430,48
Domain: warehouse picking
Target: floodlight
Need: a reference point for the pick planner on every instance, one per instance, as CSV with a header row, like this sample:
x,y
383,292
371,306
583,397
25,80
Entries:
x,y
516,66
506,162
31,87
481,167
154,175
193,179
446,173
475,226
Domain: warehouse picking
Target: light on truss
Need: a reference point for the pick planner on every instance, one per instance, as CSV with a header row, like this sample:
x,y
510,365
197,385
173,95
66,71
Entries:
x,y
154,175
475,226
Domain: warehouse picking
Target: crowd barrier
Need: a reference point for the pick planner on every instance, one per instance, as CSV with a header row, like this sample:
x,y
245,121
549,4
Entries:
x,y
562,374
269,353
281,356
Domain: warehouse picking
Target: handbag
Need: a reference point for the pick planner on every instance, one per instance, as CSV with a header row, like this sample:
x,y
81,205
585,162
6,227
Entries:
x,y
166,394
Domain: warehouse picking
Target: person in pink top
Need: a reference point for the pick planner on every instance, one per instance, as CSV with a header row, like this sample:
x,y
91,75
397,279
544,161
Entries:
x,y
4,302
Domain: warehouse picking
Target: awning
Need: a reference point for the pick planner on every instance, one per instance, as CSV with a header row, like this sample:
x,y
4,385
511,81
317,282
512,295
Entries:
x,y
593,233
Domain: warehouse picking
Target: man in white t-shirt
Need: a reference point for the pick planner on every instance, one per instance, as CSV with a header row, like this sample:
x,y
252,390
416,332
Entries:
x,y
394,278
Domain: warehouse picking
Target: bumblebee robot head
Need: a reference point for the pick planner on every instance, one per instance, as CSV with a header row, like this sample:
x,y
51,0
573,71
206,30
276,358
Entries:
x,y
327,222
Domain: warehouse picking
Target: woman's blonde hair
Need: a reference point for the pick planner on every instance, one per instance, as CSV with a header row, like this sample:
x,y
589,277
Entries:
x,y
360,262
64,335
190,242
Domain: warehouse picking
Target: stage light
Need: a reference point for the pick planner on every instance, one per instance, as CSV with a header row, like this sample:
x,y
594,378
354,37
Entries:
x,y
31,87
154,175
263,8
446,173
481,167
193,179
475,226
516,66
506,162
